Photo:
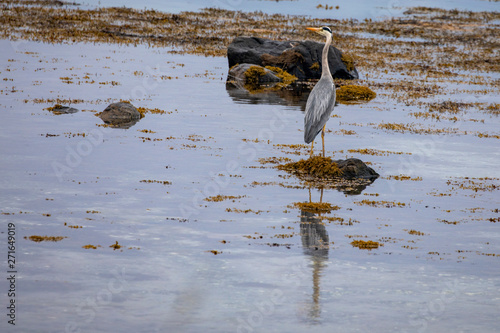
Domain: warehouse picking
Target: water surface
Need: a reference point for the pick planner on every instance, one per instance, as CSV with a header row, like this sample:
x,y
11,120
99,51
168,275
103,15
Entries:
x,y
270,273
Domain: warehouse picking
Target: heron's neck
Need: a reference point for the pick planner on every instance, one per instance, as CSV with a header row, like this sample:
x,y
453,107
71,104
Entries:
x,y
325,68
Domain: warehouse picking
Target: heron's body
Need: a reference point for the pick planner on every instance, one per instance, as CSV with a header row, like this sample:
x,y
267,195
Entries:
x,y
319,107
321,100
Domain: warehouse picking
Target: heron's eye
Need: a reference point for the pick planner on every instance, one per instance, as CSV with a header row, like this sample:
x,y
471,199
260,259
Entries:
x,y
327,29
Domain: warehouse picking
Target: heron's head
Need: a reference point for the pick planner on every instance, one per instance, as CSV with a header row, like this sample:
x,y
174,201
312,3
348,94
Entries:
x,y
325,31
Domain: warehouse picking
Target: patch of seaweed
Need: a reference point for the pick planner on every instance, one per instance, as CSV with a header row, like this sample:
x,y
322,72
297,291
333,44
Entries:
x,y
36,238
493,108
449,106
349,93
219,197
315,66
316,166
253,74
365,245
115,246
286,78
315,207
348,61
55,107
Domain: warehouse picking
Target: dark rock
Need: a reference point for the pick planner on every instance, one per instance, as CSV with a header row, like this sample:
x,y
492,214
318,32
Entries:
x,y
353,168
237,72
120,115
350,176
296,57
60,109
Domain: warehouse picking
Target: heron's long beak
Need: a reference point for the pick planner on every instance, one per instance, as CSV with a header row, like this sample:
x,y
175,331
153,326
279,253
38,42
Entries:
x,y
314,29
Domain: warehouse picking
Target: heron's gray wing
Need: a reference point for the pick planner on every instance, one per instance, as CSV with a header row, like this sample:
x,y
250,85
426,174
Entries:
x,y
319,107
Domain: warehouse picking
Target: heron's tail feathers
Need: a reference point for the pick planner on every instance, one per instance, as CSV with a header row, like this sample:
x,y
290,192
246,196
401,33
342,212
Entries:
x,y
310,134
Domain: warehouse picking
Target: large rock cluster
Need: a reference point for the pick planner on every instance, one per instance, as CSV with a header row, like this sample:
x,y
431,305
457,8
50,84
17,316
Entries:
x,y
299,58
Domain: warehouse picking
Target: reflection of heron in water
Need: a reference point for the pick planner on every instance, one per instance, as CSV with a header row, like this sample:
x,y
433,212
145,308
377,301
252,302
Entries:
x,y
315,243
321,101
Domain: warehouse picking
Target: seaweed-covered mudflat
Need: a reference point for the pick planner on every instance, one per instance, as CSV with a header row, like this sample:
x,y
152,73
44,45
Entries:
x,y
188,220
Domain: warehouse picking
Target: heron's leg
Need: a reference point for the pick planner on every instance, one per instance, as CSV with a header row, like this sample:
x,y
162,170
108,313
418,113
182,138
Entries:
x,y
312,146
323,139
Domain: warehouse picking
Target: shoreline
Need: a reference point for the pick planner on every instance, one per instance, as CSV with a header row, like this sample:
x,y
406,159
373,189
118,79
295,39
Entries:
x,y
429,53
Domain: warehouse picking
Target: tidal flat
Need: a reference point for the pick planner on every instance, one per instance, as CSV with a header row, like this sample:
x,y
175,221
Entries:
x,y
185,222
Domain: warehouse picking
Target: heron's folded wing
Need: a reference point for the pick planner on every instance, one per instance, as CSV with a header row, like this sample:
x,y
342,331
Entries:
x,y
319,107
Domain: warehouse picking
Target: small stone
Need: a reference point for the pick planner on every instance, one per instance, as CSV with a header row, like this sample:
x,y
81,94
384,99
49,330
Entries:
x,y
355,168
120,115
61,109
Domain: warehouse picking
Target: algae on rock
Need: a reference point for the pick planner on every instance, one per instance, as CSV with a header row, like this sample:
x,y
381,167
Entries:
x,y
350,93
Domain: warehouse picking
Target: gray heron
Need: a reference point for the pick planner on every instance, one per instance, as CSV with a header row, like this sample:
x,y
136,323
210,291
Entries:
x,y
321,100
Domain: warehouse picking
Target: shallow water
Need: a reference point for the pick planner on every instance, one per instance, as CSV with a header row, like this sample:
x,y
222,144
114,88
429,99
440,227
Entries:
x,y
359,9
270,276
